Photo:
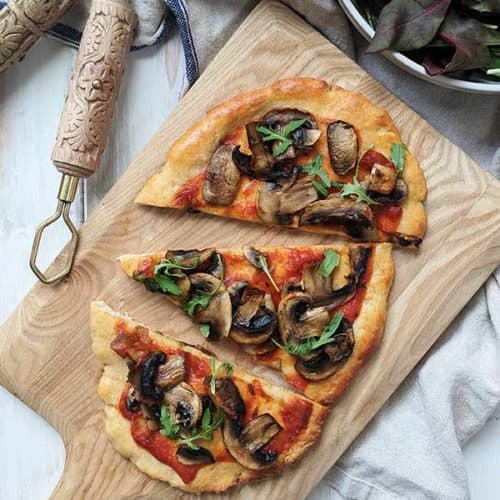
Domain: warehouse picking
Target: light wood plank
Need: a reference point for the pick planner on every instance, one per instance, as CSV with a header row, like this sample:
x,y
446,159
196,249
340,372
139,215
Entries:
x,y
51,325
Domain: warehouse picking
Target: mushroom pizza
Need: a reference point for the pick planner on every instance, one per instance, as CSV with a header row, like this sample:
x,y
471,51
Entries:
x,y
186,418
312,312
300,153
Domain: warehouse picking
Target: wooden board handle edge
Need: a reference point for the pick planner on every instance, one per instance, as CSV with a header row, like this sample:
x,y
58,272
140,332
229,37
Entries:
x,y
93,88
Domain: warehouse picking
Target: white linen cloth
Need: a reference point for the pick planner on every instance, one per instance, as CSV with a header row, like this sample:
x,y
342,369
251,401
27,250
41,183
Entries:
x,y
412,449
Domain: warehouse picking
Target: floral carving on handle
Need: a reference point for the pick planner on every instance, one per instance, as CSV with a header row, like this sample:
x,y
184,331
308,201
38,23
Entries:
x,y
21,23
93,88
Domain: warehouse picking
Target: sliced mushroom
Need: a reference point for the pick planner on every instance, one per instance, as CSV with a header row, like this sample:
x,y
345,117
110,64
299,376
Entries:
x,y
299,320
254,320
399,193
354,216
342,146
405,240
382,178
171,372
246,445
189,456
222,178
227,396
259,431
216,266
151,414
132,401
321,289
193,260
331,357
218,314
297,197
268,205
184,405
259,349
236,290
181,280
143,376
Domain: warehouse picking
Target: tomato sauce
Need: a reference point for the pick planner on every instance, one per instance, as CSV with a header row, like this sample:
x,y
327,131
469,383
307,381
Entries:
x,y
198,369
190,194
295,415
387,217
146,268
298,381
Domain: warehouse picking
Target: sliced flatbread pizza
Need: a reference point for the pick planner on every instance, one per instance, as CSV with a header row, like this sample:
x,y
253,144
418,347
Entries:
x,y
300,153
313,312
183,417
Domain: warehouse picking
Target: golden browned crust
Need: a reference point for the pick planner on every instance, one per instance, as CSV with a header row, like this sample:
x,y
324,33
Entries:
x,y
217,477
191,153
367,327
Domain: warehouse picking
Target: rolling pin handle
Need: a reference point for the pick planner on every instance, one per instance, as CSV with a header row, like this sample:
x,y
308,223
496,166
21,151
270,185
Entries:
x,y
93,88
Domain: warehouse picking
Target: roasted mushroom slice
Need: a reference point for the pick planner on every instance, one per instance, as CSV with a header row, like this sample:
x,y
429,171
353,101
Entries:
x,y
331,357
405,240
192,260
259,431
246,445
222,179
171,372
259,349
227,396
299,320
190,456
268,206
151,414
216,266
218,313
184,405
383,178
143,376
342,146
132,401
353,215
399,193
297,196
254,320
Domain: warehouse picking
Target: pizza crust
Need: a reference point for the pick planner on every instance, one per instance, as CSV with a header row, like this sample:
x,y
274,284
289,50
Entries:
x,y
191,153
217,477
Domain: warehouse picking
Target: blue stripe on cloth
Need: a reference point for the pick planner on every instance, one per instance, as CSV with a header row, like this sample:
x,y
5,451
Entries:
x,y
176,15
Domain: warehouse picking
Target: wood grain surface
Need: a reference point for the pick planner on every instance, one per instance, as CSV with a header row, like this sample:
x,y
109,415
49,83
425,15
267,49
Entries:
x,y
45,355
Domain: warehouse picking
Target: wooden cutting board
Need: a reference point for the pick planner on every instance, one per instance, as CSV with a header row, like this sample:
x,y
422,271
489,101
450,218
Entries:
x,y
45,354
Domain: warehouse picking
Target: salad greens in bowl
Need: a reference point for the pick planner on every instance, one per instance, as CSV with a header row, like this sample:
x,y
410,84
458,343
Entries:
x,y
454,43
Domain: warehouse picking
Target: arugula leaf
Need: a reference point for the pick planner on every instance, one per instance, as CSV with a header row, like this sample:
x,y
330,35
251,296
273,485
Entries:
x,y
164,278
322,191
214,370
283,137
209,424
315,167
264,267
398,156
168,427
357,190
312,343
199,298
329,263
205,330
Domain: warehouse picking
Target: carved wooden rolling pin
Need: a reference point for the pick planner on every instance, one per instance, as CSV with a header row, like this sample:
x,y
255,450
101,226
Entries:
x,y
88,109
22,22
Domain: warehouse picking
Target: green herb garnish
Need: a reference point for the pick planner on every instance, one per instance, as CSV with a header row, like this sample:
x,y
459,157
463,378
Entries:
x,y
263,266
200,299
168,427
214,370
312,343
357,190
329,263
205,330
398,156
283,137
164,278
315,168
209,424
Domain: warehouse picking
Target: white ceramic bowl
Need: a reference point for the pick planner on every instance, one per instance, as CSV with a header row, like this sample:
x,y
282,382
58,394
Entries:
x,y
411,66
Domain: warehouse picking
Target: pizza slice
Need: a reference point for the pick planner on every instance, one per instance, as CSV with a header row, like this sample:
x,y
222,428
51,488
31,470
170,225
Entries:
x,y
312,312
184,417
300,153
